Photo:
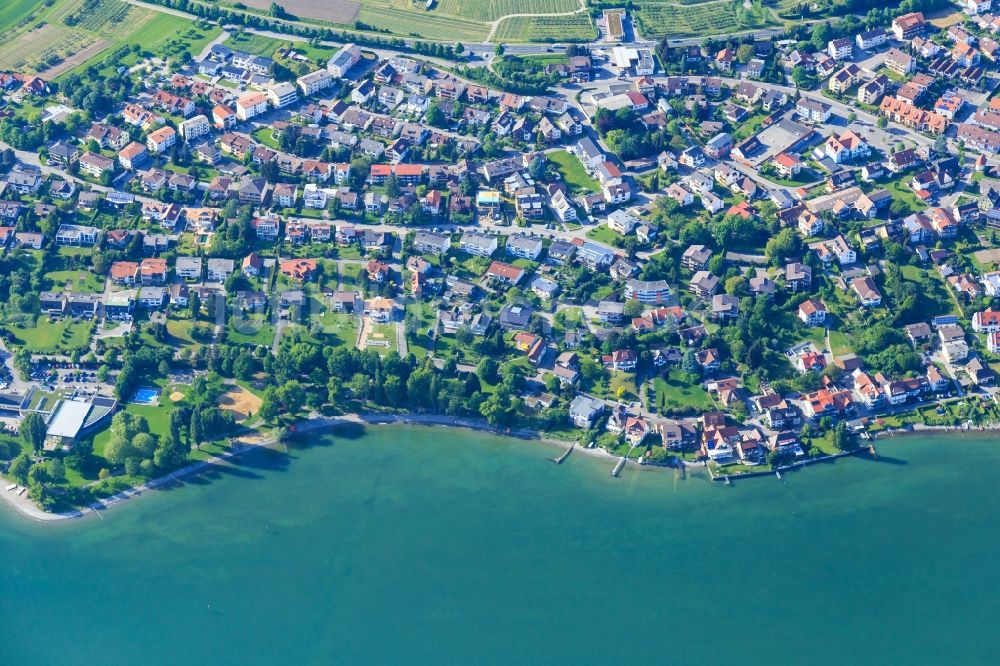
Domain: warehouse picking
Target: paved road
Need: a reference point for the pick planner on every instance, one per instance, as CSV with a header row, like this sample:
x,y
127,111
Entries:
x,y
223,36
280,325
401,345
32,160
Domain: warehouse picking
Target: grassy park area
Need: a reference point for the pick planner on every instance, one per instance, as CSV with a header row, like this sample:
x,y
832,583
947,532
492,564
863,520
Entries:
x,y
53,336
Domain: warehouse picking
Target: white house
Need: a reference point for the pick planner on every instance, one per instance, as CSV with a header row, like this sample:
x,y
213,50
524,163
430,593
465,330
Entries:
x,y
343,60
314,82
846,147
250,105
161,140
195,127
282,94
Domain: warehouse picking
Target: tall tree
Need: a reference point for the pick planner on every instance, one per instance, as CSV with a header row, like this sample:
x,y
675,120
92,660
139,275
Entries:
x,y
33,431
194,429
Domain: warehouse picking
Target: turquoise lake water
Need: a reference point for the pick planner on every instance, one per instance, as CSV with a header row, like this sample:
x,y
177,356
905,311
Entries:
x,y
431,546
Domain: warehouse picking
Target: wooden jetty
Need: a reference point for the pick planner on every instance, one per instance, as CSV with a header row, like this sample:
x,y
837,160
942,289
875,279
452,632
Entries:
x,y
618,467
565,455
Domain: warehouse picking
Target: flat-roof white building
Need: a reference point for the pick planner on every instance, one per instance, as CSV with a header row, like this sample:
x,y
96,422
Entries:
x,y
68,420
343,60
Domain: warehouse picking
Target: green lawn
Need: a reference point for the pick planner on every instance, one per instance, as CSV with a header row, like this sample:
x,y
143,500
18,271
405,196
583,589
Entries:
x,y
263,135
73,251
47,337
349,276
262,333
383,333
255,44
901,190
572,171
77,281
674,394
603,234
342,328
749,127
623,386
422,315
839,343
180,330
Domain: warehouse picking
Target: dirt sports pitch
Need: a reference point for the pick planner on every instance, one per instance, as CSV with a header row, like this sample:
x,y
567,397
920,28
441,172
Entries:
x,y
240,401
334,11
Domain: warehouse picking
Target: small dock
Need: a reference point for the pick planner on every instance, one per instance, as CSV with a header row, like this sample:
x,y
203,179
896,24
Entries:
x,y
777,473
618,467
565,455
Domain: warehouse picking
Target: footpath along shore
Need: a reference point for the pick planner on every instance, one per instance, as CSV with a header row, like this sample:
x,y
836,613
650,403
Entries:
x,y
26,507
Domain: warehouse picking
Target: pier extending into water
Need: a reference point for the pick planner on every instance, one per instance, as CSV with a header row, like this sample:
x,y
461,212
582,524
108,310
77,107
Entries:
x,y
565,455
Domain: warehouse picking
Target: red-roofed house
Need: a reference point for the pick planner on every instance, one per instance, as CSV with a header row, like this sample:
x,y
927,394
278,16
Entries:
x,y
505,273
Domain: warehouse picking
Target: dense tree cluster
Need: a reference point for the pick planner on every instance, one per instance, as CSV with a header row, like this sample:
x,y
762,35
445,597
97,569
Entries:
x,y
626,136
525,76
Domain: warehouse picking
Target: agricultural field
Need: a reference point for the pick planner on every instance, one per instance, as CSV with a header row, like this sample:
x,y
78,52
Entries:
x,y
489,10
65,34
426,25
458,20
162,35
574,28
14,12
656,18
332,11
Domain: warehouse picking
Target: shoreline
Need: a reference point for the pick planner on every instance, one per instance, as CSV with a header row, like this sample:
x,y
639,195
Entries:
x,y
25,507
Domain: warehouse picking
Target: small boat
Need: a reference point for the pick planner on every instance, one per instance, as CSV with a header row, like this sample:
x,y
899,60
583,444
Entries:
x,y
11,487
21,491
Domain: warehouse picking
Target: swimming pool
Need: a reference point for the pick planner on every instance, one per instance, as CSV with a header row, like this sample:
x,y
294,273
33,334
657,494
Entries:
x,y
145,396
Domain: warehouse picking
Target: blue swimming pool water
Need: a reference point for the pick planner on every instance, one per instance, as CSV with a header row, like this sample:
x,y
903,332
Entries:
x,y
145,396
